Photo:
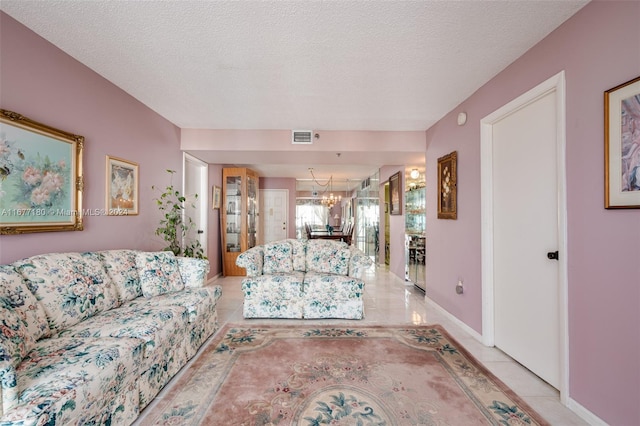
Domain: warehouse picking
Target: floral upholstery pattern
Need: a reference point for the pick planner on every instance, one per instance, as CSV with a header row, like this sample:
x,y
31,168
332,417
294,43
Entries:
x,y
273,296
70,286
193,271
159,273
100,356
328,284
278,257
331,257
332,296
252,260
299,254
64,381
15,294
123,271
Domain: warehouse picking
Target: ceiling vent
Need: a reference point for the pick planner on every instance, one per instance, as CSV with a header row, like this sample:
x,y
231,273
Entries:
x,y
302,137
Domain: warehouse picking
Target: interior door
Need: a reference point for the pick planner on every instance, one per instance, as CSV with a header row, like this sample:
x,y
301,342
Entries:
x,y
195,183
525,230
274,205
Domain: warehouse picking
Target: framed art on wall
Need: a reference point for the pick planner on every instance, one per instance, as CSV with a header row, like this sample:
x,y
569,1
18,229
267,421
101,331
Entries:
x,y
395,195
215,197
622,146
41,178
122,187
448,186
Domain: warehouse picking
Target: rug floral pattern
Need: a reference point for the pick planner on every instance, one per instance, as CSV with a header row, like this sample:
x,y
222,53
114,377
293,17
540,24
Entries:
x,y
337,376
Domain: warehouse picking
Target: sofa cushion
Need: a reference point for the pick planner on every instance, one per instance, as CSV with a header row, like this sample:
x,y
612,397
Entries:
x,y
273,296
141,319
14,290
123,271
332,296
278,257
76,381
159,273
325,256
299,254
70,286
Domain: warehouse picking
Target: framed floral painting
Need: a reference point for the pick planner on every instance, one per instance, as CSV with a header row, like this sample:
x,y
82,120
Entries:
x,y
622,146
122,187
41,178
448,186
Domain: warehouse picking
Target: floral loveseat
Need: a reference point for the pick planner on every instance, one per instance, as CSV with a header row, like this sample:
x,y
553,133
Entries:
x,y
303,279
91,338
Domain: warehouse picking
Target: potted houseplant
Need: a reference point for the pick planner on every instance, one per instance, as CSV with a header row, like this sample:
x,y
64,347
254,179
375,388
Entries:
x,y
174,225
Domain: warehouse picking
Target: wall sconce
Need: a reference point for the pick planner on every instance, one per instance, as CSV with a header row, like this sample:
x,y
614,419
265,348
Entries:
x,y
462,118
415,174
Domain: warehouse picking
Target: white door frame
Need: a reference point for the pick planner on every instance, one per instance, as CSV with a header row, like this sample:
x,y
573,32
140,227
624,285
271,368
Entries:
x,y
557,84
203,193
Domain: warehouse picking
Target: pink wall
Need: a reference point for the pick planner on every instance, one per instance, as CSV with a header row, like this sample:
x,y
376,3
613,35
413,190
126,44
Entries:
x,y
284,183
43,83
598,48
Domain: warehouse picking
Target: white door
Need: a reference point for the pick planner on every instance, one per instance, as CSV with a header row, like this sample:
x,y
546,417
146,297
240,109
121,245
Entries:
x,y
527,224
195,183
274,209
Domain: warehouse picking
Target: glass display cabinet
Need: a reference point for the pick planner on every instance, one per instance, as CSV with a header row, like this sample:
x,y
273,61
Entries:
x,y
238,216
415,225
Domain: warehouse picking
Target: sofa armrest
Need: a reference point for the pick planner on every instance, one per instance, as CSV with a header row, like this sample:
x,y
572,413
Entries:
x,y
252,260
193,271
8,387
358,262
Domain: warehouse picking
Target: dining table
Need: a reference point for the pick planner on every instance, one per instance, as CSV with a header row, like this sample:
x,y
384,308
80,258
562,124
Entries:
x,y
333,235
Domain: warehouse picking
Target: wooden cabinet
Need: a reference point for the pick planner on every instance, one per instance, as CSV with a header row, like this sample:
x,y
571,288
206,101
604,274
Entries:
x,y
239,216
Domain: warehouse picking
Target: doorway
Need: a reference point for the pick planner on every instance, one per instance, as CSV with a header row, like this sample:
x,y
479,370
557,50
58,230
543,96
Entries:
x,y
274,205
194,183
524,266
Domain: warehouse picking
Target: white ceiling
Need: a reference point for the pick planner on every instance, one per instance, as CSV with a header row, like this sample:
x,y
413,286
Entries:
x,y
320,65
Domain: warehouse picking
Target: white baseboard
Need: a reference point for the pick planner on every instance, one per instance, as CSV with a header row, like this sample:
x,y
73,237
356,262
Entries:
x,y
453,319
585,414
212,279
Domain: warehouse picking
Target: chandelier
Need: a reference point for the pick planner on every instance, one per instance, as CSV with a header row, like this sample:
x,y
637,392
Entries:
x,y
330,200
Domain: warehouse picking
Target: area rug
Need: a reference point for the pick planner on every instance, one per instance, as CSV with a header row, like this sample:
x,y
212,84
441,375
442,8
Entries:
x,y
338,376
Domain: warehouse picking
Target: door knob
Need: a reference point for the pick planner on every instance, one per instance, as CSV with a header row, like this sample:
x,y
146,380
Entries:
x,y
552,255
200,231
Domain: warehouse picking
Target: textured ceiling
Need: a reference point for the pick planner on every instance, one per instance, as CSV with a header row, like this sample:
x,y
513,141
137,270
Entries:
x,y
321,65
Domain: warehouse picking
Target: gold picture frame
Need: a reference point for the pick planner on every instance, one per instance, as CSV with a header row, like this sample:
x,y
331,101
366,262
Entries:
x,y
395,195
41,179
215,197
448,186
122,183
622,146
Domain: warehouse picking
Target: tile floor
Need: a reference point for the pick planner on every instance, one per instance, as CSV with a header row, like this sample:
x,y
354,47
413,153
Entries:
x,y
389,300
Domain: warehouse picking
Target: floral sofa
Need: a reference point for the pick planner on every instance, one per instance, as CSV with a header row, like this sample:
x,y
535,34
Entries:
x,y
303,279
91,338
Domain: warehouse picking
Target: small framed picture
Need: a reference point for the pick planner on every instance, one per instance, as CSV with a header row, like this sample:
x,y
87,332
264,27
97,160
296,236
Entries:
x,y
215,197
448,186
122,187
395,195
622,146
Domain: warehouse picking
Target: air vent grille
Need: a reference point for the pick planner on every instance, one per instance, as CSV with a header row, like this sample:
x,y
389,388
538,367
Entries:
x,y
302,136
